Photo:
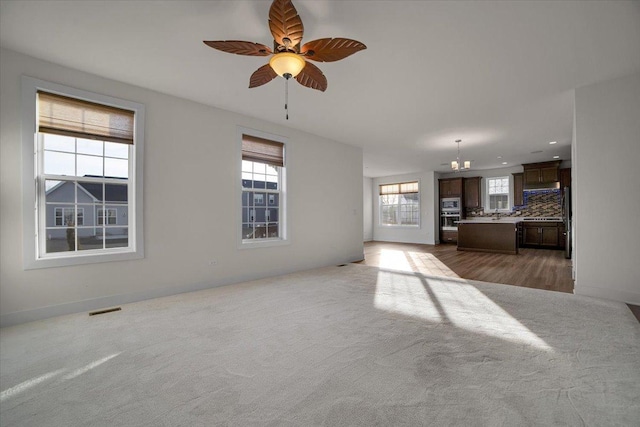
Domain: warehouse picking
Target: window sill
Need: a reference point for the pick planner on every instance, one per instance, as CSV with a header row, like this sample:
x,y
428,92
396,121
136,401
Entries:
x,y
81,259
253,244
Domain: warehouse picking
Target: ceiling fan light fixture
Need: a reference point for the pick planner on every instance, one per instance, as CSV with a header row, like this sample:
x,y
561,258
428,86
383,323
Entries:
x,y
287,63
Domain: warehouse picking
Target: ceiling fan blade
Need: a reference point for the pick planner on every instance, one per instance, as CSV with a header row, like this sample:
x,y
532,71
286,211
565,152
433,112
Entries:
x,y
331,49
240,47
262,75
284,22
312,77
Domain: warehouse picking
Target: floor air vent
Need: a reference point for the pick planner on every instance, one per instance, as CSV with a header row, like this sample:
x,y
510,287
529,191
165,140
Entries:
x,y
106,310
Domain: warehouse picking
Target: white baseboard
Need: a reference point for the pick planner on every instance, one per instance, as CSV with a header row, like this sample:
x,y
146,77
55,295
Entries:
x,y
608,293
41,313
15,318
357,258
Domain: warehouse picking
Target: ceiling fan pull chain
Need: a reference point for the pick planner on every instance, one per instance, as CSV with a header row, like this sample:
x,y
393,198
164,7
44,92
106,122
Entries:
x,y
286,97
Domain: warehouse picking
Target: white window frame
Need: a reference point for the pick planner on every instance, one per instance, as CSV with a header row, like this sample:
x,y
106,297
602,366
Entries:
x,y
381,224
488,196
283,225
33,257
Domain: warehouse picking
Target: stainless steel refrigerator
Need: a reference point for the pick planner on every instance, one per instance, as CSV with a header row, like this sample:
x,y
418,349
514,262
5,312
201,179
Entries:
x,y
566,218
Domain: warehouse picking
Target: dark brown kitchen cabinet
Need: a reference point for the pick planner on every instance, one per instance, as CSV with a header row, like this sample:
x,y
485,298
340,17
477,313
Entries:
x,y
565,178
549,174
541,173
518,189
451,187
549,236
562,235
448,236
541,234
471,192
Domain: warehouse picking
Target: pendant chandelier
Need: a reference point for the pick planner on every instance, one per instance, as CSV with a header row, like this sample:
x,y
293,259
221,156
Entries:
x,y
458,165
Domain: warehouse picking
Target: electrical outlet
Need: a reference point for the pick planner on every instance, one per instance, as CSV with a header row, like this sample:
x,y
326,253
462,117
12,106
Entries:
x,y
213,262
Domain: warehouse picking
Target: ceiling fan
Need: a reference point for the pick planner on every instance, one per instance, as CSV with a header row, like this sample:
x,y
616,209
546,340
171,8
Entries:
x,y
289,58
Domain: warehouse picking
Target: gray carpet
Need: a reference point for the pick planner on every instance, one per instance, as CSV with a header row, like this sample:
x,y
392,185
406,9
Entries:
x,y
349,345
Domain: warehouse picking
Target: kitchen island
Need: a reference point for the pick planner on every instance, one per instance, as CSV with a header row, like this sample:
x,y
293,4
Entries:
x,y
488,235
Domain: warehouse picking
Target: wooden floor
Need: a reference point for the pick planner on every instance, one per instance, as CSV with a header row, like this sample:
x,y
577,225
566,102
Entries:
x,y
635,309
531,268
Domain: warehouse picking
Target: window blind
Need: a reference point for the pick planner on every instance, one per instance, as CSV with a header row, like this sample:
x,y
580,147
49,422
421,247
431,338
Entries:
x,y
262,150
63,115
400,188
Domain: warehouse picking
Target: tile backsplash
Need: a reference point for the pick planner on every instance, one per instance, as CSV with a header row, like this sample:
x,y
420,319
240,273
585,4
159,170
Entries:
x,y
536,203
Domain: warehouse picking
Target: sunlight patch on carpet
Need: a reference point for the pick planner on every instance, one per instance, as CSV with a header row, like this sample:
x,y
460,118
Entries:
x,y
24,386
404,294
455,302
89,367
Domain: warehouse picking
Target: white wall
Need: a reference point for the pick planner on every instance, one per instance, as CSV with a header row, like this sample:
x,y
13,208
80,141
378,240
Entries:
x,y
367,208
427,232
606,190
189,162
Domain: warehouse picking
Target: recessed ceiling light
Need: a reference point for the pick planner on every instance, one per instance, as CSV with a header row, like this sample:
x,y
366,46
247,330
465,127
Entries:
x,y
556,157
553,142
499,157
536,152
504,163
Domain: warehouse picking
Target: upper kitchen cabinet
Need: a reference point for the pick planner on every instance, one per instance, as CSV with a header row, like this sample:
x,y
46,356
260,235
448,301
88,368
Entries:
x,y
541,174
471,188
451,187
518,189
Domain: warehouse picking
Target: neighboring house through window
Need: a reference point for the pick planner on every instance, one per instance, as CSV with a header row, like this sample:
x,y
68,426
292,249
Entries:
x,y
263,183
498,193
400,204
87,196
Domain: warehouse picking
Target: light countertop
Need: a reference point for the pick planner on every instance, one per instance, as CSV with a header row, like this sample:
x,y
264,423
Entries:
x,y
506,220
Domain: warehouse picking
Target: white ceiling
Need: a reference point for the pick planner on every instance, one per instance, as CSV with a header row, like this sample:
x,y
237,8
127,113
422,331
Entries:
x,y
498,75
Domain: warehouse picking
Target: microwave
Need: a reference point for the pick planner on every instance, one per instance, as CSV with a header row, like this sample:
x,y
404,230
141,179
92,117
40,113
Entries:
x,y
450,204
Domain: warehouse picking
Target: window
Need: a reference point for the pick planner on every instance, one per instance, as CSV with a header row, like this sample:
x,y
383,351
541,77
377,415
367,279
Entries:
x,y
498,193
262,190
400,204
107,217
85,180
64,216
